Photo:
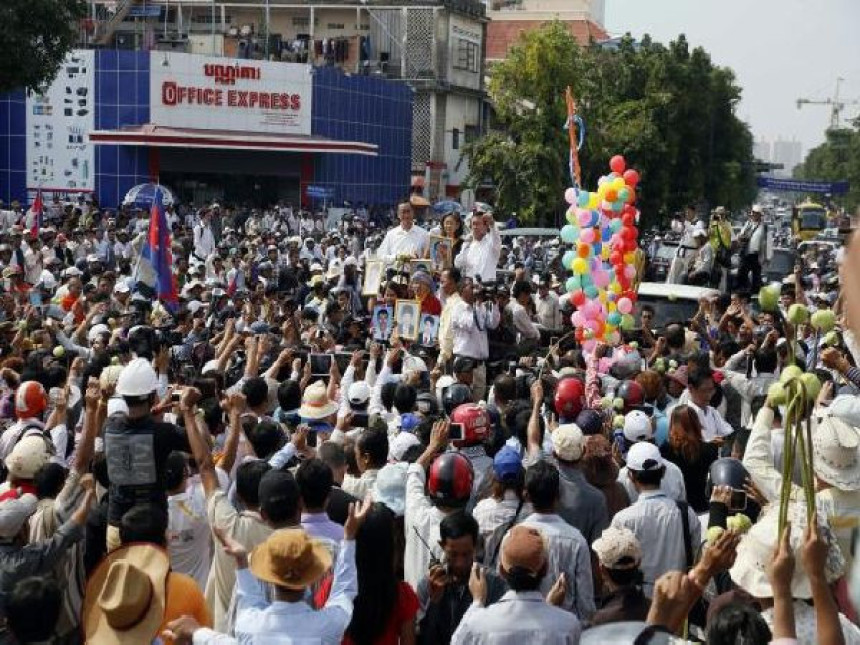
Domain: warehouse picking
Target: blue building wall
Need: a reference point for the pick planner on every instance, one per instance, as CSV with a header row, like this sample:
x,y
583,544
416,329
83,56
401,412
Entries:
x,y
122,99
346,108
371,110
13,146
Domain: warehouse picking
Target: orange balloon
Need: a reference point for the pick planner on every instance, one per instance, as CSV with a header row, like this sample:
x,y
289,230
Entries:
x,y
611,195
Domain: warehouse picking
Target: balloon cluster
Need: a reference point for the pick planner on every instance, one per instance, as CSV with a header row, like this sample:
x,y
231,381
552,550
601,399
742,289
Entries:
x,y
603,239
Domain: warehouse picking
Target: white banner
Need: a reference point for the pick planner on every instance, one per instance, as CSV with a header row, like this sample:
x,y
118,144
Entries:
x,y
208,93
59,155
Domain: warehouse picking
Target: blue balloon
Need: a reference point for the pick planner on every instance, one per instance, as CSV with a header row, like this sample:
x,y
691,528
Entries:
x,y
597,246
572,284
606,234
591,291
569,234
615,225
614,318
595,218
582,199
567,259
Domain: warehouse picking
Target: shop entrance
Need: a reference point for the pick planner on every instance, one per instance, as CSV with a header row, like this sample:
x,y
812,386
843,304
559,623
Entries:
x,y
254,179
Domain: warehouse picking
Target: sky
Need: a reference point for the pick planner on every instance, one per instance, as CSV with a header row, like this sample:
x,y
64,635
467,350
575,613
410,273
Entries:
x,y
780,50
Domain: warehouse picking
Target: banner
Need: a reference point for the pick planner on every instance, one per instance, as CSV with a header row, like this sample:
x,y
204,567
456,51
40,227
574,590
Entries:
x,y
206,93
803,185
59,120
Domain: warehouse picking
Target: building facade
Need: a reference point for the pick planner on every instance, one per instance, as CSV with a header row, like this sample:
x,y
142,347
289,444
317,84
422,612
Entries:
x,y
436,47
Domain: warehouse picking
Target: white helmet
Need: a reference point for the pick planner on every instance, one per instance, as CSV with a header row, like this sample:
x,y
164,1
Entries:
x,y
138,378
443,382
637,426
358,393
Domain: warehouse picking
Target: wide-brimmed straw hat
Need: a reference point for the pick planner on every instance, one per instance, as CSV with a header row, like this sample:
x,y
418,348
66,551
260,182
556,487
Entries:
x,y
126,596
755,552
835,454
290,559
315,402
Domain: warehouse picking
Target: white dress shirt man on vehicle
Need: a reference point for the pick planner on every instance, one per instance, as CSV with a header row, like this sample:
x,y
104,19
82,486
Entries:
x,y
406,239
479,256
470,321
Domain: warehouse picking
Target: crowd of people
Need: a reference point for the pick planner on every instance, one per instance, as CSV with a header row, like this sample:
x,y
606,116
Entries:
x,y
266,461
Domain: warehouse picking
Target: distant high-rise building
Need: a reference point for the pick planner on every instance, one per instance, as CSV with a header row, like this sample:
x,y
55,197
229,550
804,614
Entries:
x,y
762,150
511,18
789,153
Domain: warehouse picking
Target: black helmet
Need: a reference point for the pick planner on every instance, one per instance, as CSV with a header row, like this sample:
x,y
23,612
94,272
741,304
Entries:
x,y
727,472
427,404
454,395
449,482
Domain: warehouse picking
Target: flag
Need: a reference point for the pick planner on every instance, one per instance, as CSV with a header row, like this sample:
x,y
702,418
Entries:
x,y
155,264
36,209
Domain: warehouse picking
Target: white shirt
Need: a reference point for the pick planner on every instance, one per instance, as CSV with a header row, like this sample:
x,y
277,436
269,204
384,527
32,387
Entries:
x,y
400,242
470,324
805,626
548,310
423,517
672,484
523,322
204,241
491,513
189,541
479,258
656,521
713,423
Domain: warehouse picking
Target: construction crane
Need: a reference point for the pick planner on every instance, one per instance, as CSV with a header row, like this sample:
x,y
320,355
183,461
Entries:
x,y
836,105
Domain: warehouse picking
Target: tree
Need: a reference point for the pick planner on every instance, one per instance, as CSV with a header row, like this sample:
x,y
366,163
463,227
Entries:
x,y
668,110
837,159
35,36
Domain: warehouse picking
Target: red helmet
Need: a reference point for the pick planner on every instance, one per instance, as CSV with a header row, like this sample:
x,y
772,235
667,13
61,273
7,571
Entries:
x,y
449,482
476,424
30,400
632,394
569,398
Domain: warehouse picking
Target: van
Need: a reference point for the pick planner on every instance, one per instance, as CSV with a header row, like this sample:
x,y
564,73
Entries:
x,y
671,302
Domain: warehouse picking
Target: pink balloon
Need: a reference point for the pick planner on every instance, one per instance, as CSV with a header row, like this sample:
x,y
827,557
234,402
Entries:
x,y
577,319
589,345
624,305
601,279
586,235
570,196
630,271
584,218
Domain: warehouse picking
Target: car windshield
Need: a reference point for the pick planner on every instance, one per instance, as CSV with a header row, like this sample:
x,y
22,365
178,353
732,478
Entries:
x,y
813,219
667,311
782,262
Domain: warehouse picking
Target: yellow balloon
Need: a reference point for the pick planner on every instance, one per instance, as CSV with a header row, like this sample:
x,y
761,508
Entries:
x,y
604,252
571,216
593,201
618,183
615,288
601,190
579,266
609,328
629,258
610,307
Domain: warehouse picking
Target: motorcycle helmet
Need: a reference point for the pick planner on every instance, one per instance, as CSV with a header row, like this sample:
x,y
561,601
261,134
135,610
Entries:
x,y
475,421
427,404
454,396
449,482
637,426
30,400
632,394
590,421
569,399
442,384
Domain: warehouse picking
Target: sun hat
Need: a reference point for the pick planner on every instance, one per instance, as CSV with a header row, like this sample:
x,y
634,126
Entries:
x,y
755,552
618,548
14,512
390,487
28,455
643,457
125,597
835,456
290,559
402,442
567,442
523,548
315,402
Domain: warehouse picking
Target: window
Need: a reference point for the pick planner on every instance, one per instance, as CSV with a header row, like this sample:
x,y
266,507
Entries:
x,y
301,22
455,139
466,57
470,133
335,25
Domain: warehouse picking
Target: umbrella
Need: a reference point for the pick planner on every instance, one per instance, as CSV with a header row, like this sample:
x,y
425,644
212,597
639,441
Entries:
x,y
418,201
447,206
141,196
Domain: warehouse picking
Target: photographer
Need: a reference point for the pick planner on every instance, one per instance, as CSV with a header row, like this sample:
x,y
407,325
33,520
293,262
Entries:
x,y
470,320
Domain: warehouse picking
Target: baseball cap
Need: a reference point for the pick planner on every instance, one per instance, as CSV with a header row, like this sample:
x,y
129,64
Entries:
x,y
618,548
637,426
400,444
567,442
277,487
507,464
643,457
523,548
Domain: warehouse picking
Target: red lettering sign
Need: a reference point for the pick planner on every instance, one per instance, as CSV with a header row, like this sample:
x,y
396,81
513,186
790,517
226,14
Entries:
x,y
177,95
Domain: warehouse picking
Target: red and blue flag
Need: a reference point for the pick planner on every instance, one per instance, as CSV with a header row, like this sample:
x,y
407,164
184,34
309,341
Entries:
x,y
155,266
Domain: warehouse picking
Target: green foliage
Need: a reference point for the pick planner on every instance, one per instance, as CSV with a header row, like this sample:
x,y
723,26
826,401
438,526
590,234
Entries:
x,y
837,159
669,111
35,36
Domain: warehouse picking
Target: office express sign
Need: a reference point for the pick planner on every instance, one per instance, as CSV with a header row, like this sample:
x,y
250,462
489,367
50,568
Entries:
x,y
209,93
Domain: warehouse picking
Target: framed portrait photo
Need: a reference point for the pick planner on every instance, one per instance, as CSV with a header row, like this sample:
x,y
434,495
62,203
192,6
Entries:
x,y
382,322
406,316
374,270
421,265
428,330
441,252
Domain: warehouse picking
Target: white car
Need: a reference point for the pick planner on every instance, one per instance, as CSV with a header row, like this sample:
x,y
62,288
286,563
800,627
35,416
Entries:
x,y
671,302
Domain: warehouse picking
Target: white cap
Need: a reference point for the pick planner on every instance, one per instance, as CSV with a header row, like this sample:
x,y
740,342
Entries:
x,y
96,331
757,209
568,442
195,305
644,456
121,287
637,426
72,272
138,378
358,393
